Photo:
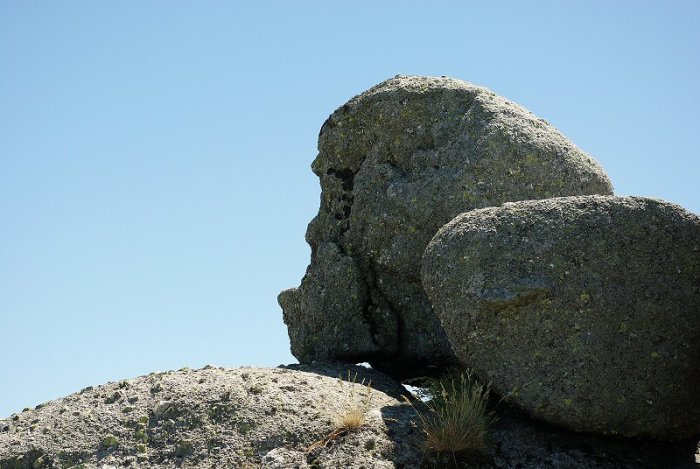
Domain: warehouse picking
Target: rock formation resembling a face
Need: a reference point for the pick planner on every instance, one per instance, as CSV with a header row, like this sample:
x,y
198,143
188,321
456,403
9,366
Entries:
x,y
396,163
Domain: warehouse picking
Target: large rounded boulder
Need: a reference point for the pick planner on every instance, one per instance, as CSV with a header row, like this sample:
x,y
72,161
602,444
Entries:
x,y
395,164
583,311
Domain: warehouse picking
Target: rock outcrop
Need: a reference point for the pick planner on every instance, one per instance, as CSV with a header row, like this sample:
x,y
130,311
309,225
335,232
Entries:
x,y
267,418
583,311
395,164
213,418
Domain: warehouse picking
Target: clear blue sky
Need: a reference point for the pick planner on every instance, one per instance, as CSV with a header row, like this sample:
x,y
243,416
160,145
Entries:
x,y
154,156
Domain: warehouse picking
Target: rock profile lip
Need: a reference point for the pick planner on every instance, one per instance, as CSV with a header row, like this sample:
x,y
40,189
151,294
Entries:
x,y
396,163
583,311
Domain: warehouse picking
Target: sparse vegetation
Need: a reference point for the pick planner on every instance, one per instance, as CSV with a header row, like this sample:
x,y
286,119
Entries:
x,y
110,441
351,418
457,420
355,415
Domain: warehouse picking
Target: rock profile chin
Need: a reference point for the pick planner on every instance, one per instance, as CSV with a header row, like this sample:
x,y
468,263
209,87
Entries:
x,y
395,164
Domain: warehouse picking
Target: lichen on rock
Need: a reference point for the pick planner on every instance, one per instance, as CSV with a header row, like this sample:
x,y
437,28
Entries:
x,y
217,418
212,417
583,311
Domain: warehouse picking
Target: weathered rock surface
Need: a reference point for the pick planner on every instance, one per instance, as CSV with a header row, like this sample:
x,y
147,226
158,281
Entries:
x,y
523,443
395,164
583,311
210,418
253,417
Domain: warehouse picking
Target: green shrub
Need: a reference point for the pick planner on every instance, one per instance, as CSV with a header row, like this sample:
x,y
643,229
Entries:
x,y
456,420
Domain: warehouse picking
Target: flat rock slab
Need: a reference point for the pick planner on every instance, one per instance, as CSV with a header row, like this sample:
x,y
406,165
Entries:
x,y
210,418
396,163
583,311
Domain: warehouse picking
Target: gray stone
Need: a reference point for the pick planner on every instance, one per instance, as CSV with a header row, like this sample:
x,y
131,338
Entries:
x,y
523,443
256,417
216,418
395,164
583,311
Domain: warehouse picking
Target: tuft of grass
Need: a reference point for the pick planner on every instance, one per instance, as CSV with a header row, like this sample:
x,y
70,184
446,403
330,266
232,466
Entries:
x,y
350,419
457,420
355,414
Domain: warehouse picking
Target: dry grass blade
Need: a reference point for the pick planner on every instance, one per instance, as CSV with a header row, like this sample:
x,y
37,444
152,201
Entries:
x,y
323,442
351,418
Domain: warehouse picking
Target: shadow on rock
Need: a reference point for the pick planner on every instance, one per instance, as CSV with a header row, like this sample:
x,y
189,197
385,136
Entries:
x,y
378,380
516,440
519,441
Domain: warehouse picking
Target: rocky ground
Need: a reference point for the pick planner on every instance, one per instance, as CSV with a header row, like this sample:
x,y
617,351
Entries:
x,y
259,417
212,417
